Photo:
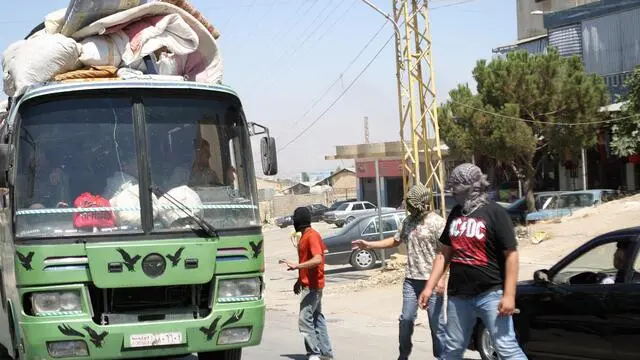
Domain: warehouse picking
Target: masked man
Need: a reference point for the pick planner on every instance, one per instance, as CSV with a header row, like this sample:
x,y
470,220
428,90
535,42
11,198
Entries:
x,y
480,247
309,285
420,231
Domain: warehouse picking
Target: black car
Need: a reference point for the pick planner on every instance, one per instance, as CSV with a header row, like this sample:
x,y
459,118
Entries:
x,y
584,307
317,210
340,251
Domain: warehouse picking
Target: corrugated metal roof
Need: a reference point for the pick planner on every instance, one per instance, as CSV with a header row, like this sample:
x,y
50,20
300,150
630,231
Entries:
x,y
588,11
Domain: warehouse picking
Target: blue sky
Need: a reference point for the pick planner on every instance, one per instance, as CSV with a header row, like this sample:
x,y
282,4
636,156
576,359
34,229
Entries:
x,y
282,55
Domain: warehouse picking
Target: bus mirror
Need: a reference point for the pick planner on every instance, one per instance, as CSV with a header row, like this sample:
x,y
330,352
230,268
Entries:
x,y
269,155
4,164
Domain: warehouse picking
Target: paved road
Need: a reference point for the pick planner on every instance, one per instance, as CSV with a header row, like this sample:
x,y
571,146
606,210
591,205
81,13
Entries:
x,y
362,325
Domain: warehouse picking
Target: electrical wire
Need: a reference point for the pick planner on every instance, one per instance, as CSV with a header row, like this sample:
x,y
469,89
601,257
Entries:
x,y
292,52
534,121
340,96
364,48
290,69
351,83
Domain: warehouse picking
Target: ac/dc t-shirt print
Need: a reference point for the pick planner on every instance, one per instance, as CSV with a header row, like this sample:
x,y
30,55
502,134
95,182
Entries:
x,y
478,241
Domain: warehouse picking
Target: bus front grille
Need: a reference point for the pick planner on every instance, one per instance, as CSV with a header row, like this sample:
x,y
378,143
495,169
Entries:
x,y
144,304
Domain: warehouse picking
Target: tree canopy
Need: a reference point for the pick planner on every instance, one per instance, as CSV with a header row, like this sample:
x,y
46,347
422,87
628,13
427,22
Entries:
x,y
626,131
527,107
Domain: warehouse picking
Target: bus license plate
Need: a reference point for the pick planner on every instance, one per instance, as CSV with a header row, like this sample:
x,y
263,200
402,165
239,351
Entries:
x,y
150,340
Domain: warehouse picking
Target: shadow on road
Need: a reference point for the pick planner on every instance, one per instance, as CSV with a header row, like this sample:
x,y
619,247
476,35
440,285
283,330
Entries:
x,y
294,356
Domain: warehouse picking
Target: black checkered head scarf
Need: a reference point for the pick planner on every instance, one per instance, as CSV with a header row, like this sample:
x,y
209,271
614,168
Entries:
x,y
418,200
469,186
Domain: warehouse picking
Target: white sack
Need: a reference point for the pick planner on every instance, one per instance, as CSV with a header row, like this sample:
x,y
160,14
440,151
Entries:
x,y
169,213
204,64
151,34
129,198
53,21
81,13
104,50
37,60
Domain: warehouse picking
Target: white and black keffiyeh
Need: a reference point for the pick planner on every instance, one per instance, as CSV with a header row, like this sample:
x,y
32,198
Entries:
x,y
470,186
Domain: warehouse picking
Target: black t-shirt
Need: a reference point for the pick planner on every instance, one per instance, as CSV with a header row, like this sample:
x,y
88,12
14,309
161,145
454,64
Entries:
x,y
478,243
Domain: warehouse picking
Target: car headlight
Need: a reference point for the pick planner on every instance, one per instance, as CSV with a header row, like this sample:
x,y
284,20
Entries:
x,y
235,290
56,303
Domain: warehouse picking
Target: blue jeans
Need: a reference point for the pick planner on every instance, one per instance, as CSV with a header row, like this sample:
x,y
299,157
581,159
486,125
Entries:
x,y
411,290
313,325
462,313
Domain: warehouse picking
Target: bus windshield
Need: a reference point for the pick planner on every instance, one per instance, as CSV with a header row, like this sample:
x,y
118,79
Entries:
x,y
80,169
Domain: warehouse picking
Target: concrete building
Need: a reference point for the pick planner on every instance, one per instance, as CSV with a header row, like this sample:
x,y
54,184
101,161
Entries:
x,y
343,183
530,24
604,34
389,156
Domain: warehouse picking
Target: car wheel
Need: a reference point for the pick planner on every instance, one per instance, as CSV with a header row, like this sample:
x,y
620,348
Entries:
x,y
349,219
484,344
233,354
363,259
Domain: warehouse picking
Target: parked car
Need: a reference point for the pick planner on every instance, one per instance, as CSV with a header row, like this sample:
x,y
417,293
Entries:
x,y
339,248
566,203
336,204
317,213
584,307
518,209
349,211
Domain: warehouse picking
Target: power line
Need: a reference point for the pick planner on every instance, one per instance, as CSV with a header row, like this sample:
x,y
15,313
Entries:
x,y
534,121
291,53
338,19
340,96
296,50
339,78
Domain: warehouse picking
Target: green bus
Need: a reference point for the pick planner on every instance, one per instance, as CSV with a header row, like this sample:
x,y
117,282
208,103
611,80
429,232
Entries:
x,y
130,224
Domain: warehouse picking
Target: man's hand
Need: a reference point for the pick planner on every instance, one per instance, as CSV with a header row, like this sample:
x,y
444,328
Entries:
x,y
290,264
441,287
423,300
297,287
507,306
360,244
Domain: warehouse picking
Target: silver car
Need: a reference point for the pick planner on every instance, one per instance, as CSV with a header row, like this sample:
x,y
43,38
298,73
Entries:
x,y
349,211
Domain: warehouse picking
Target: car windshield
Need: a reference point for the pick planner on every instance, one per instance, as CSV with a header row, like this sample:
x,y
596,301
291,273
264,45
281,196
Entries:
x,y
568,201
79,157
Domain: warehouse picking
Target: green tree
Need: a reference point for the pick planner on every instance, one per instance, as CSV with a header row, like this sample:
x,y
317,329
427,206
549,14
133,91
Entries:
x,y
522,112
304,177
626,131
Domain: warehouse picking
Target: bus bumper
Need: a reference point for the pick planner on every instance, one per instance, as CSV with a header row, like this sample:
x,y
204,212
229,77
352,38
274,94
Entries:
x,y
73,337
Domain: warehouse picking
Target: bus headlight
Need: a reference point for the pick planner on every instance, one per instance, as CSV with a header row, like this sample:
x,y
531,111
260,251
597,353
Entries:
x,y
236,290
56,303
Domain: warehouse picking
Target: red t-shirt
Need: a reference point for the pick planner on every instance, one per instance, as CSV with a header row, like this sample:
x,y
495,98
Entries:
x,y
310,245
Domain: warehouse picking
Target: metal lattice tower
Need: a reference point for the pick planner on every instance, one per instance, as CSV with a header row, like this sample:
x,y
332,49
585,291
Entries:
x,y
419,130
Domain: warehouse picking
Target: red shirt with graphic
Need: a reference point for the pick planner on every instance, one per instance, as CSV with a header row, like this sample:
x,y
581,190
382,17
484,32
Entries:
x,y
478,241
311,244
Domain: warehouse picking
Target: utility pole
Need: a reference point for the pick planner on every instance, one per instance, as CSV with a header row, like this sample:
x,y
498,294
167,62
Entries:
x,y
418,112
366,129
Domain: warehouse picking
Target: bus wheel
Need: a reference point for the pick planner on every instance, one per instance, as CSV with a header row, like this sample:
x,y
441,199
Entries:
x,y
233,354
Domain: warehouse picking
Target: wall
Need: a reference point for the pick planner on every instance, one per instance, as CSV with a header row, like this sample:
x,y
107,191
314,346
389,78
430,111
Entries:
x,y
344,180
611,43
532,25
